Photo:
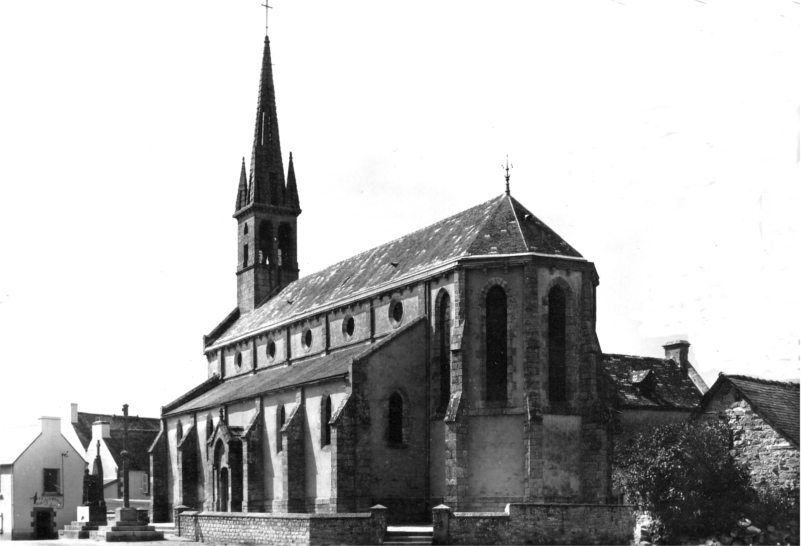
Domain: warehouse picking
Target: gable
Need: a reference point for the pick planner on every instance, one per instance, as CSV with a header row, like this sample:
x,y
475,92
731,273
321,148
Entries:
x,y
499,226
776,402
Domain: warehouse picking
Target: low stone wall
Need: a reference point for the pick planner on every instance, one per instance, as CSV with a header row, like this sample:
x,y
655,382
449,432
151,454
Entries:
x,y
253,528
537,524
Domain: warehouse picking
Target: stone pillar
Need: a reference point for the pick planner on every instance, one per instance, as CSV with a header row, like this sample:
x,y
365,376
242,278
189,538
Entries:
x,y
532,385
378,521
455,454
294,458
441,516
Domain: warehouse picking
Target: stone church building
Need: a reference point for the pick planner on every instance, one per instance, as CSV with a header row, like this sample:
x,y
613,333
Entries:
x,y
458,364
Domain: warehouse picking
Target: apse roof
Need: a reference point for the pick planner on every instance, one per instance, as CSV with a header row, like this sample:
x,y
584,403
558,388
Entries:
x,y
499,226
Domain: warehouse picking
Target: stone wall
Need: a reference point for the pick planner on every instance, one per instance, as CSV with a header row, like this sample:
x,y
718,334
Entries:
x,y
771,458
242,528
537,524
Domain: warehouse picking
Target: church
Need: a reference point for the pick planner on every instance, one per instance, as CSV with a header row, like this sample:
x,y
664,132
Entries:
x,y
458,364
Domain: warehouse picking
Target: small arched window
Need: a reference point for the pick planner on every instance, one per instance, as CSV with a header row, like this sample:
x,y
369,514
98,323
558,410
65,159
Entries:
x,y
279,444
496,344
285,254
265,243
557,345
444,349
395,432
327,421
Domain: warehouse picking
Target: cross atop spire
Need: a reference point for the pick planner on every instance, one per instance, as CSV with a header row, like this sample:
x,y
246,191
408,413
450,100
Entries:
x,y
267,7
508,176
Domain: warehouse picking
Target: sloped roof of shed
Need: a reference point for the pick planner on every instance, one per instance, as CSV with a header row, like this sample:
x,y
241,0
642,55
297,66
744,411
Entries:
x,y
775,401
673,388
499,226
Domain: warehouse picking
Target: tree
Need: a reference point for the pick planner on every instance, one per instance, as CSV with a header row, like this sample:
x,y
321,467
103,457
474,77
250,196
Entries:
x,y
685,476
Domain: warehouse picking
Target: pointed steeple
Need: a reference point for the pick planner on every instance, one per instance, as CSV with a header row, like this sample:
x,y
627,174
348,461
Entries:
x,y
292,199
266,166
242,191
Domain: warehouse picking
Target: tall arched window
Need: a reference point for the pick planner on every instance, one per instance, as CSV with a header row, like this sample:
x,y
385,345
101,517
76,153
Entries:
x,y
496,344
395,433
327,421
280,421
444,349
285,258
245,255
557,346
264,253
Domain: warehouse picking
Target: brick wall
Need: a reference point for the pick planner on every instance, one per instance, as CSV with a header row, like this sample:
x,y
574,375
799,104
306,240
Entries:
x,y
537,524
226,527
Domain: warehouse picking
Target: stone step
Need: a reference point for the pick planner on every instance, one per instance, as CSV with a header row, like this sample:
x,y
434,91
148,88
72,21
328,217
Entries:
x,y
409,537
127,536
126,527
70,534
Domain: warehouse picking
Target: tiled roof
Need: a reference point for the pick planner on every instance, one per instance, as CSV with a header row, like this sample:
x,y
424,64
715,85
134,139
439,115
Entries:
x,y
141,433
15,440
249,385
775,401
666,387
318,368
499,226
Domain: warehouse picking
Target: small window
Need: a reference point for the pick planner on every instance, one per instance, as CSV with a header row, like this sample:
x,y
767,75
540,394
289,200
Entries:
x,y
238,360
396,312
245,256
327,421
395,425
271,350
279,443
179,431
52,481
306,340
348,327
145,484
246,229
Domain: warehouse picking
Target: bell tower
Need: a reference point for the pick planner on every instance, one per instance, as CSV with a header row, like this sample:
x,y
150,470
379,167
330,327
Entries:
x,y
267,207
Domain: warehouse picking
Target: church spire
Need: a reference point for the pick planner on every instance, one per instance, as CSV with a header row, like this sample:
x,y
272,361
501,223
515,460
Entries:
x,y
292,199
266,166
242,191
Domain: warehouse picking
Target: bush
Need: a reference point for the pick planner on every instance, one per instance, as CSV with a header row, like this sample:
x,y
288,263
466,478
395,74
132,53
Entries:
x,y
684,475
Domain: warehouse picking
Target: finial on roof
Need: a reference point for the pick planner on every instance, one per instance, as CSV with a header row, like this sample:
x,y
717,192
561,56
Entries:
x,y
508,176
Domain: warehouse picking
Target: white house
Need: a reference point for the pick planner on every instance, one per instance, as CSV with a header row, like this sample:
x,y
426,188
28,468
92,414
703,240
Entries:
x,y
41,481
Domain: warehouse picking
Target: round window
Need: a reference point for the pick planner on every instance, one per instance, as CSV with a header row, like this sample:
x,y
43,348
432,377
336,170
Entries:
x,y
271,349
396,312
307,339
348,326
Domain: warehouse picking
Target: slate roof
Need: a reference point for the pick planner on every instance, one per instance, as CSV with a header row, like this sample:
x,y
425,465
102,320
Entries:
x,y
777,402
142,431
499,226
242,387
643,382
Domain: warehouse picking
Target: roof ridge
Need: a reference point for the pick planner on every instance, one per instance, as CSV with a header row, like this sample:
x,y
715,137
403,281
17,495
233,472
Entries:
x,y
636,356
543,224
788,384
391,241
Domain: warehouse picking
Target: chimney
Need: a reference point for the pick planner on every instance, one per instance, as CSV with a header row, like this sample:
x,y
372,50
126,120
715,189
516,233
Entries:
x,y
101,429
51,425
678,352
73,413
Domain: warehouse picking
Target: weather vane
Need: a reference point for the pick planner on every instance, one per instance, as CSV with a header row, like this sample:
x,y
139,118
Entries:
x,y
267,7
508,176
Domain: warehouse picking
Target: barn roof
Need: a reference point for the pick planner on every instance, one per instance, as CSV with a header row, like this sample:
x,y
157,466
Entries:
x,y
643,382
499,226
777,402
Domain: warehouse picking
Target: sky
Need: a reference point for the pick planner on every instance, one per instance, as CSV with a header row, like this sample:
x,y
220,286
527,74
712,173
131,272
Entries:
x,y
661,139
